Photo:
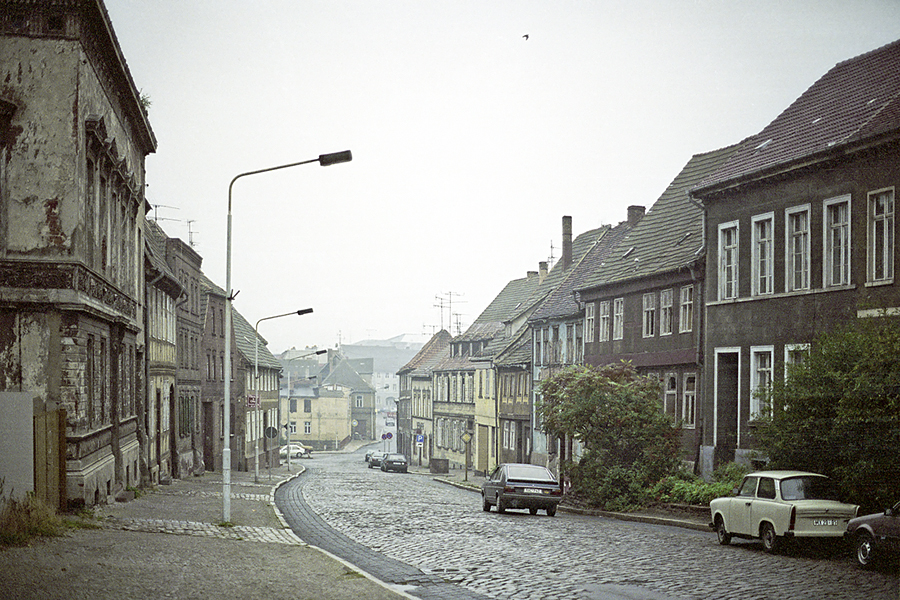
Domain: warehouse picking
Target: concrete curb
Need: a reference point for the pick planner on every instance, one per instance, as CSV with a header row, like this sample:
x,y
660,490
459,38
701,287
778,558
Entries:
x,y
636,517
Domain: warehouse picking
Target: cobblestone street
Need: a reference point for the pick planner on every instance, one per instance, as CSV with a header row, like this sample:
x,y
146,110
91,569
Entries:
x,y
427,532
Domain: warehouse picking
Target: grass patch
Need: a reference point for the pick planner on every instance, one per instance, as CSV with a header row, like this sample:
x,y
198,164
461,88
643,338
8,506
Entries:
x,y
22,520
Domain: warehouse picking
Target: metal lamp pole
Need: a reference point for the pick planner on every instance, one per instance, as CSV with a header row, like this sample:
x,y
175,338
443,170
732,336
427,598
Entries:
x,y
303,311
324,160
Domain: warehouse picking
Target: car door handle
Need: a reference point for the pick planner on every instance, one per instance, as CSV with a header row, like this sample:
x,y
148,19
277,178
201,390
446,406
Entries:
x,y
747,503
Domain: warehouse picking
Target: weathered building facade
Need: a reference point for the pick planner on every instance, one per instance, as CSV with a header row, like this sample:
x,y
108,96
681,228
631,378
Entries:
x,y
74,138
801,236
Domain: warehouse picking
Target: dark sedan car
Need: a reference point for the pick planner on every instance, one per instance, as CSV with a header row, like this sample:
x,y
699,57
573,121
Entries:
x,y
521,486
375,459
873,537
394,462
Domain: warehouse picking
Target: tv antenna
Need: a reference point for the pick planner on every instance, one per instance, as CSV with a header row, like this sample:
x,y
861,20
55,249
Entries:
x,y
156,208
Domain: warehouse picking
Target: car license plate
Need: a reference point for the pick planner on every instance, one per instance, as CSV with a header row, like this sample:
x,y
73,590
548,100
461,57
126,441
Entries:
x,y
533,491
825,522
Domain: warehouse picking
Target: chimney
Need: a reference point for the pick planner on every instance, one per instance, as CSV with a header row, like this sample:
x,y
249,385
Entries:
x,y
635,214
567,243
542,270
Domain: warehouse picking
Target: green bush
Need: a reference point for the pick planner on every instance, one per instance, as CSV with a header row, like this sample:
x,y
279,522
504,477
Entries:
x,y
685,488
615,413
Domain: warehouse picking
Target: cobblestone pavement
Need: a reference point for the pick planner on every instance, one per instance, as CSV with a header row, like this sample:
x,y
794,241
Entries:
x,y
435,539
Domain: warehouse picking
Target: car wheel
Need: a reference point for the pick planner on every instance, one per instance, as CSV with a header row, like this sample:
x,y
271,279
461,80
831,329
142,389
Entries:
x,y
532,510
722,533
551,511
769,539
370,465
865,549
501,506
485,505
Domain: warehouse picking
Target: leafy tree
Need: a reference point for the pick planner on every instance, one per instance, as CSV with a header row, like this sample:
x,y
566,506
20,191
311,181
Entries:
x,y
629,442
838,412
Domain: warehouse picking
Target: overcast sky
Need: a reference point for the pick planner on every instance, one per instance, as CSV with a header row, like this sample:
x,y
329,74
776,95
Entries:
x,y
470,142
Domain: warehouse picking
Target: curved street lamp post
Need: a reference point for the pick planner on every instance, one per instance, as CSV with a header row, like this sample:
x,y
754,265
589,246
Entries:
x,y
324,160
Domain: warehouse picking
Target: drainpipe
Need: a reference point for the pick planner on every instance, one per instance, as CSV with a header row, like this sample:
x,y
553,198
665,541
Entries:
x,y
700,280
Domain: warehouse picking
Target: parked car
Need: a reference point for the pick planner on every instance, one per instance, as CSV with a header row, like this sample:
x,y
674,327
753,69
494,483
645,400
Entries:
x,y
389,424
517,485
369,454
778,505
874,537
375,459
394,462
297,451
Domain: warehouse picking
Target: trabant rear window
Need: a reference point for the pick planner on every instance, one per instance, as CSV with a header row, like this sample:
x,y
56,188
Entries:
x,y
530,472
808,488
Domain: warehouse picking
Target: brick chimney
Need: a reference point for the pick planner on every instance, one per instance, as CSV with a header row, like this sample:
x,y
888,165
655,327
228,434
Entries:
x,y
635,214
542,270
566,242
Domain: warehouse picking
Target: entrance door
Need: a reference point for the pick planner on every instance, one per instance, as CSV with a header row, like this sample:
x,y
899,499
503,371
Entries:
x,y
727,403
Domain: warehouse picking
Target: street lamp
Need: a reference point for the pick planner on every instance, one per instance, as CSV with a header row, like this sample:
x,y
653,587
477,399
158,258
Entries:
x,y
303,311
287,424
324,160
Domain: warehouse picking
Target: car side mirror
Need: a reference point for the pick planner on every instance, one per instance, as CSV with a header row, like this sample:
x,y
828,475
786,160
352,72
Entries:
x,y
889,512
735,491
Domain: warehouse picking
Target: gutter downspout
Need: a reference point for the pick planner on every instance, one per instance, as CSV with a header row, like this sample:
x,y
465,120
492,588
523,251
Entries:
x,y
702,323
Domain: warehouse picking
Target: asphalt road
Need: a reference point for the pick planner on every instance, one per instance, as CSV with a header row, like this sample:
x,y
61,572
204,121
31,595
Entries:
x,y
433,540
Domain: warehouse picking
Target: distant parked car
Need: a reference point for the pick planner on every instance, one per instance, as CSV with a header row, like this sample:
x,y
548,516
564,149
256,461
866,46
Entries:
x,y
375,459
778,505
517,485
875,536
297,451
389,423
394,462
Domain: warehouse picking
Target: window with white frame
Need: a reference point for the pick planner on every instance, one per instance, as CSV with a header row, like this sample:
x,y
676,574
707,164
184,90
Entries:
x,y
760,379
618,318
797,248
794,354
666,315
670,394
881,236
836,236
689,401
649,315
728,260
589,323
293,427
604,321
763,255
307,427
686,310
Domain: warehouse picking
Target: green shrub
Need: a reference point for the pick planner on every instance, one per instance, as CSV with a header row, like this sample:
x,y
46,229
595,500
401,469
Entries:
x,y
685,488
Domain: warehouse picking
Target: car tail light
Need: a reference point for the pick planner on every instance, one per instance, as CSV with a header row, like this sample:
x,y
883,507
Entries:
x,y
509,490
556,492
793,518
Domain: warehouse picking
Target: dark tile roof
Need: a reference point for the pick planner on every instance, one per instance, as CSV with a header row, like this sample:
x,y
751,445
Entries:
x,y
510,301
155,240
435,350
669,237
344,374
517,352
855,102
561,302
243,341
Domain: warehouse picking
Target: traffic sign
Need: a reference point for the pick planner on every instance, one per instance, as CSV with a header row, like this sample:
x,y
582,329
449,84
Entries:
x,y
389,435
420,439
271,433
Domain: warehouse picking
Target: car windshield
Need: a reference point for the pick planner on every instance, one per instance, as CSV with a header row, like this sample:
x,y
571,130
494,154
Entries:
x,y
808,488
530,472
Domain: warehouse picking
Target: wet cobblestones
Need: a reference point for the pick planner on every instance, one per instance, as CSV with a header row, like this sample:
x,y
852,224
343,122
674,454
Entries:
x,y
442,532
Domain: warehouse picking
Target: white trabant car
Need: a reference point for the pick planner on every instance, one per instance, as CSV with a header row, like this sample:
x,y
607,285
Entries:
x,y
774,505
